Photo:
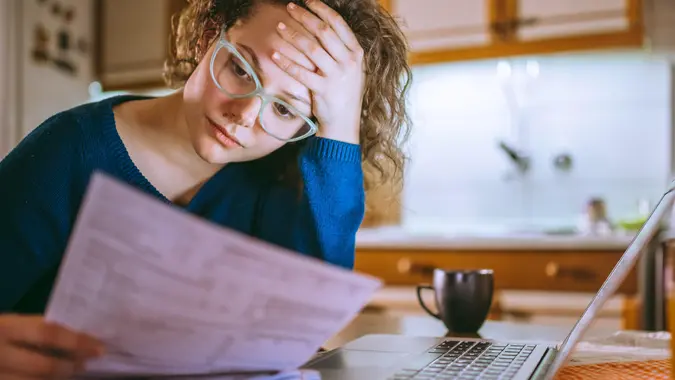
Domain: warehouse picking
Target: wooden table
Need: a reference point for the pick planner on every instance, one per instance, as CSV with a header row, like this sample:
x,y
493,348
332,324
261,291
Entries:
x,y
376,323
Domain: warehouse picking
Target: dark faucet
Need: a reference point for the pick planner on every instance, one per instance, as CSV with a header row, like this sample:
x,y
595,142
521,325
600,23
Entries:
x,y
520,160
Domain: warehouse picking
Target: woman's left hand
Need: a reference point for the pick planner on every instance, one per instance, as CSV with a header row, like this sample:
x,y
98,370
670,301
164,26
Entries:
x,y
338,84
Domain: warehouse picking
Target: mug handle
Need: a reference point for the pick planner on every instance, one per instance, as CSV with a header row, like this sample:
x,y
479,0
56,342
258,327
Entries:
x,y
421,301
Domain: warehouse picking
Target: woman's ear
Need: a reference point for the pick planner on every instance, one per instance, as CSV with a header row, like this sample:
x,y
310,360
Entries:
x,y
210,35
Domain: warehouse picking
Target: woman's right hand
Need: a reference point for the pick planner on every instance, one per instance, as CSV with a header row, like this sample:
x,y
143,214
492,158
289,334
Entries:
x,y
32,348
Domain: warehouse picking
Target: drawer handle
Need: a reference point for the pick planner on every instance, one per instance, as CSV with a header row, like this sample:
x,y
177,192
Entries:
x,y
554,270
406,266
508,27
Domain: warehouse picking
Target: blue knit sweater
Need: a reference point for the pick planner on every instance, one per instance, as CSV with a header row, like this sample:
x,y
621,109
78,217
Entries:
x,y
43,180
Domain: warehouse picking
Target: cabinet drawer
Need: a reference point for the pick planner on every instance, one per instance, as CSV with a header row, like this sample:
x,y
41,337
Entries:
x,y
582,271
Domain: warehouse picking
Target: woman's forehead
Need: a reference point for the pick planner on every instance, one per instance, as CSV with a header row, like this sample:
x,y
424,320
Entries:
x,y
258,34
262,24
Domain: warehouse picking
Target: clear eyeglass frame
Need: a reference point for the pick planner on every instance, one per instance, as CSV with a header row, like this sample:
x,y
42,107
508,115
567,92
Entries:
x,y
259,91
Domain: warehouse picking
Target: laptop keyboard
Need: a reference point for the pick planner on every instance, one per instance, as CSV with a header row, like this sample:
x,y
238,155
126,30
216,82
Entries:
x,y
471,360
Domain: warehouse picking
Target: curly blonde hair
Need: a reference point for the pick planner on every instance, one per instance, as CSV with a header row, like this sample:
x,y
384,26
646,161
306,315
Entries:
x,y
385,123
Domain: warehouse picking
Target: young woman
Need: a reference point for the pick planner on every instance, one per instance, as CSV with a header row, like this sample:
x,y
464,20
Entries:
x,y
279,105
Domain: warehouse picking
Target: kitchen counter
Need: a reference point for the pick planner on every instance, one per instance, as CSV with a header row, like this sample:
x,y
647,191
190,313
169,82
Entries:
x,y
399,237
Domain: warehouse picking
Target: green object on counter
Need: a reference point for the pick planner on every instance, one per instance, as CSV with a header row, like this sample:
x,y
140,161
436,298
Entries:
x,y
632,224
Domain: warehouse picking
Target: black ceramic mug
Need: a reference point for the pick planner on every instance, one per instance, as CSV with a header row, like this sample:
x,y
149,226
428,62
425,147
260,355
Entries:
x,y
463,298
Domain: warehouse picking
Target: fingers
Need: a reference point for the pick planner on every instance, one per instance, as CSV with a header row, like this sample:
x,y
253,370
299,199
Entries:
x,y
322,29
7,376
337,23
309,47
308,78
34,331
24,362
30,347
292,53
14,376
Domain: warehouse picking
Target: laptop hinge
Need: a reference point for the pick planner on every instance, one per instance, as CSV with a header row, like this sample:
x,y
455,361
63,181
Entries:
x,y
544,364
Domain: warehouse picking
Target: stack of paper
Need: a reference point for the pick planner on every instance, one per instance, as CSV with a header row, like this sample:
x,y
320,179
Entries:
x,y
169,293
623,346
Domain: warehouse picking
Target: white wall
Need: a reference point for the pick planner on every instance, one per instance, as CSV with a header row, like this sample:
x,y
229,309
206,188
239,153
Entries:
x,y
45,89
610,112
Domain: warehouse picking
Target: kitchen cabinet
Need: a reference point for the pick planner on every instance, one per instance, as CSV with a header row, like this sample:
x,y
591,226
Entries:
x,y
133,42
441,31
580,271
546,19
517,269
434,27
134,35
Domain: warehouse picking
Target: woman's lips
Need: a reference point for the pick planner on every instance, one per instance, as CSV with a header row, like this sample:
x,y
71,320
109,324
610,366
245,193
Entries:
x,y
223,137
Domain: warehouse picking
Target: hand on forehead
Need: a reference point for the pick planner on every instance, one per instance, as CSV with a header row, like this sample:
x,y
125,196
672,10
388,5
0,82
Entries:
x,y
260,33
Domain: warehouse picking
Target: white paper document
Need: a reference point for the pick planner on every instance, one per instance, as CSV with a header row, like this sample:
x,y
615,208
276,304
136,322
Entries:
x,y
170,293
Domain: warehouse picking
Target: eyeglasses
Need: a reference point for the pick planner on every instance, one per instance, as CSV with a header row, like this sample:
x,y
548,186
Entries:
x,y
235,77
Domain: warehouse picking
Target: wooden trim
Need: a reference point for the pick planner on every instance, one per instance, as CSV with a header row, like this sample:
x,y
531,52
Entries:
x,y
635,15
503,13
631,314
512,13
495,16
630,39
386,4
634,11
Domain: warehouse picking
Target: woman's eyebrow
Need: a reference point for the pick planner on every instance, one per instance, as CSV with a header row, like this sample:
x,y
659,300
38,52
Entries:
x,y
253,56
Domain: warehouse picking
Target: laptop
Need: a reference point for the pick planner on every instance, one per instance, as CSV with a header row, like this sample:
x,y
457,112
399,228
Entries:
x,y
398,357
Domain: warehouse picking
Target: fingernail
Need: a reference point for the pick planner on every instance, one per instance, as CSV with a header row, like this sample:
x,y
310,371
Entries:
x,y
292,6
281,26
276,56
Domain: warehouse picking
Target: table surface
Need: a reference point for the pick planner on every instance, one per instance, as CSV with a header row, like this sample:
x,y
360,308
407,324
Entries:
x,y
446,237
382,323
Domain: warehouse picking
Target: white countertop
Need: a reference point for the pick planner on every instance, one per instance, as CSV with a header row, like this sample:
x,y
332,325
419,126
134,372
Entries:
x,y
407,237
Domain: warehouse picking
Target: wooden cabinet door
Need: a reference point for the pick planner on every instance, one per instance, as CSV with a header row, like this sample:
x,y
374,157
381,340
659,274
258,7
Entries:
x,y
438,28
550,19
134,42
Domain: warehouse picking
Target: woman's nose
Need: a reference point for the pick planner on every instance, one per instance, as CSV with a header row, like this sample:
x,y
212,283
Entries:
x,y
244,111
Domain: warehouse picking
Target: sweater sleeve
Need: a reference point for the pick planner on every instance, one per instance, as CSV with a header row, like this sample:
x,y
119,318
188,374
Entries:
x,y
36,206
322,221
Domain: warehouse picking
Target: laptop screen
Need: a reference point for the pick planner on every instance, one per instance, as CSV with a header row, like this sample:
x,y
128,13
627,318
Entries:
x,y
615,278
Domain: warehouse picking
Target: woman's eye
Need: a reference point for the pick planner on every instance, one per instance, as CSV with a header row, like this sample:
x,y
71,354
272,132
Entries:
x,y
239,71
283,110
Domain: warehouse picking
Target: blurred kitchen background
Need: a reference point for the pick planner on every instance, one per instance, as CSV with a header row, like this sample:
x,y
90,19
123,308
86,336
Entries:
x,y
542,136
